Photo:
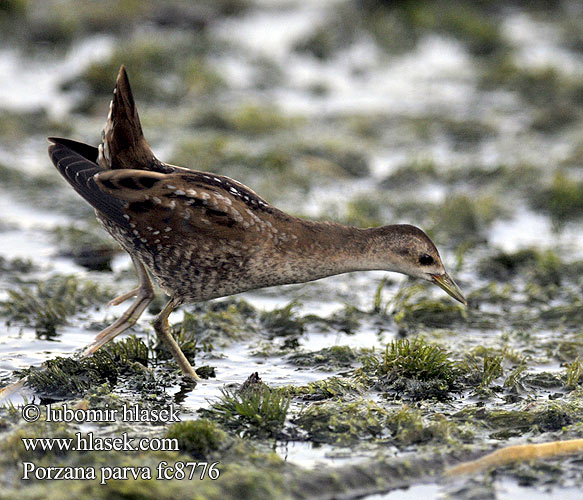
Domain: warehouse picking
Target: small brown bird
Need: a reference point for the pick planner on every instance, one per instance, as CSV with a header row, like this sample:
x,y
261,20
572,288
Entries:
x,y
203,235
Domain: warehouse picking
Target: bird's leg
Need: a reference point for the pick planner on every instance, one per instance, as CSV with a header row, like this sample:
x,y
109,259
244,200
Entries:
x,y
144,296
122,298
163,330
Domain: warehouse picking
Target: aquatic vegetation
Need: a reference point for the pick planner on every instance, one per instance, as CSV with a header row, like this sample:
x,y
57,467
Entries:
x,y
16,266
128,350
574,373
252,119
481,371
410,313
331,387
63,378
13,452
329,358
50,304
199,438
408,427
464,218
562,200
411,369
255,410
343,423
282,322
422,170
216,323
416,358
363,211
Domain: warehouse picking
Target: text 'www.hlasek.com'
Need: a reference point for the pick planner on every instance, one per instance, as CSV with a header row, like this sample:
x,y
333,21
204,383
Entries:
x,y
89,441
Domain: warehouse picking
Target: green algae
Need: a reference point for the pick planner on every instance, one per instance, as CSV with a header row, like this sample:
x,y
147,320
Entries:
x,y
542,267
128,351
574,374
215,323
283,322
415,358
331,387
199,438
343,423
430,313
411,369
63,378
49,304
408,428
254,410
13,452
329,358
16,266
562,200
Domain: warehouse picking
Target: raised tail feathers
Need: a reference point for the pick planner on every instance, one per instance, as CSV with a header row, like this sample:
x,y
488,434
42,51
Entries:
x,y
123,144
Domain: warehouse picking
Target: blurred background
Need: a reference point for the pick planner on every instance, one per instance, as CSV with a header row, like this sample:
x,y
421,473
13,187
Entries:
x,y
462,117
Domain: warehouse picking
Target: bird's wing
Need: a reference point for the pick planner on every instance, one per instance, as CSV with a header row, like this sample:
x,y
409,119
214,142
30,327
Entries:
x,y
77,163
185,202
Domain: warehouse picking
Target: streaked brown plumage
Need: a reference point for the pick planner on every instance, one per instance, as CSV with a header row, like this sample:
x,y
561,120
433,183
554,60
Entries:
x,y
203,235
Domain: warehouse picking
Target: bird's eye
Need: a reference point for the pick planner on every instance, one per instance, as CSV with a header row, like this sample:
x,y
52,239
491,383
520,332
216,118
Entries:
x,y
425,260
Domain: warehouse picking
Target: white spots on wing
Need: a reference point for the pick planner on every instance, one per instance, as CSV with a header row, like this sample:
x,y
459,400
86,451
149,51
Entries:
x,y
191,192
136,232
205,196
179,192
156,233
217,179
172,204
157,240
156,200
206,221
143,240
167,229
126,216
236,215
170,186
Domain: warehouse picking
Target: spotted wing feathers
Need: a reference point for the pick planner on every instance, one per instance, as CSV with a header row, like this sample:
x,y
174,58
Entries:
x,y
180,201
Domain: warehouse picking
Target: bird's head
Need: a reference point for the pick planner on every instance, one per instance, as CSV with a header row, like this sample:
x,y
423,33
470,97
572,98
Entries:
x,y
411,251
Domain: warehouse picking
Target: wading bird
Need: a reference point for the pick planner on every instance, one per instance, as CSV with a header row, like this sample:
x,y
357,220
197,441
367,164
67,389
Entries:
x,y
203,235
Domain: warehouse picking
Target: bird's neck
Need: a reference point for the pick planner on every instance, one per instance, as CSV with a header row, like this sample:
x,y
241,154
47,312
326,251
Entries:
x,y
325,249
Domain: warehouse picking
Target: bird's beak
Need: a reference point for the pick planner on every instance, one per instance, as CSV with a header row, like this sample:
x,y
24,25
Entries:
x,y
445,282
